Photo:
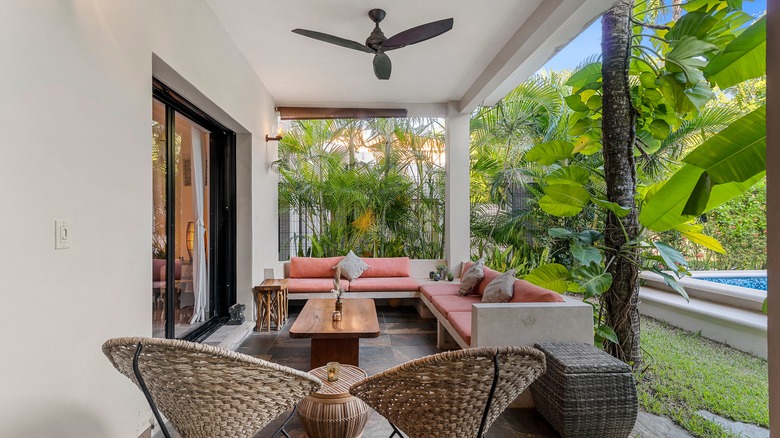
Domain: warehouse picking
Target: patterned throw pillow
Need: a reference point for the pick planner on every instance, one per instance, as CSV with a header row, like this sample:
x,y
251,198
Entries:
x,y
351,266
471,278
500,290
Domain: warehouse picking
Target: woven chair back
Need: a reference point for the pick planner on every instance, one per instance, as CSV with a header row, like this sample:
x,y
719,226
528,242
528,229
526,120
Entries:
x,y
444,395
208,391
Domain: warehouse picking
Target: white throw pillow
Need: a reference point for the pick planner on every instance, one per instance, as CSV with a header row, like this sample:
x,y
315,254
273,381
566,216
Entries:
x,y
500,290
471,277
351,266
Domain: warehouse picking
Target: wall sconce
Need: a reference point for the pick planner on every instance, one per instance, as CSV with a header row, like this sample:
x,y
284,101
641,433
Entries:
x,y
279,129
190,238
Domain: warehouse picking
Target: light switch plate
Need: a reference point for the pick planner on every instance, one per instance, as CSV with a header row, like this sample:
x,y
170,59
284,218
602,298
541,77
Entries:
x,y
61,235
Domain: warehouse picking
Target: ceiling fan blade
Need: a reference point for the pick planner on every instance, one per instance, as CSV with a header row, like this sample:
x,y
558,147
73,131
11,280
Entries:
x,y
334,40
382,66
417,34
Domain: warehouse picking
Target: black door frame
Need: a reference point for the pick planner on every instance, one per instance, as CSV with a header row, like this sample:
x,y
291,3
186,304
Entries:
x,y
222,217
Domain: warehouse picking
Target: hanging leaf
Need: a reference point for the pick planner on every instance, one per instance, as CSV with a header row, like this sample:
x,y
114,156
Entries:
x,y
685,100
564,200
588,144
647,79
674,260
664,210
700,196
575,102
686,57
605,332
560,233
736,153
550,152
550,276
612,206
585,254
706,241
673,283
586,75
743,59
568,175
594,102
581,127
695,24
589,237
660,129
594,279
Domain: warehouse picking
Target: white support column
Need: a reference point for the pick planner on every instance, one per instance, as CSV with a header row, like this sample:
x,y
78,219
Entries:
x,y
457,226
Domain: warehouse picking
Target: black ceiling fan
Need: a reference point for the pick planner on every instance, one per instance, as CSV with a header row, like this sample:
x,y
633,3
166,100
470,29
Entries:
x,y
377,44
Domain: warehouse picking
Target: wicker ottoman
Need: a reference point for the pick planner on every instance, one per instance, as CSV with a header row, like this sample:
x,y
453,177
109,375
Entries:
x,y
585,391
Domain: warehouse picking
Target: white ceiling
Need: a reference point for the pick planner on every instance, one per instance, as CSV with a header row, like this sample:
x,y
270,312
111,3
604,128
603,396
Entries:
x,y
493,46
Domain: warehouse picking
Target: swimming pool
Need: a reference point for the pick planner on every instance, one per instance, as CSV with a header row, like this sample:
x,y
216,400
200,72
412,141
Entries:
x,y
758,283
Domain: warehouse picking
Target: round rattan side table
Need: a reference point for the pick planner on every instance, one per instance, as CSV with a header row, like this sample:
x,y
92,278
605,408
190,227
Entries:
x,y
332,412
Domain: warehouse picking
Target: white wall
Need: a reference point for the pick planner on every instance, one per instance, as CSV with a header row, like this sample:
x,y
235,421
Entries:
x,y
75,113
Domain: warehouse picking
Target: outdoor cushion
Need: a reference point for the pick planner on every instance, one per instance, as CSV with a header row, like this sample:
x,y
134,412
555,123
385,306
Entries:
x,y
386,267
500,290
313,267
448,303
363,284
461,322
440,288
314,285
471,277
490,275
351,266
525,292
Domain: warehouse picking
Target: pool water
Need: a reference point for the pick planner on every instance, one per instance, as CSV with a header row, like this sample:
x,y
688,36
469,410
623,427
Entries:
x,y
758,283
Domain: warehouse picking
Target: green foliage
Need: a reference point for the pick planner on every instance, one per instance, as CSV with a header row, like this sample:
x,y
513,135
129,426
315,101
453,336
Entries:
x,y
554,156
389,204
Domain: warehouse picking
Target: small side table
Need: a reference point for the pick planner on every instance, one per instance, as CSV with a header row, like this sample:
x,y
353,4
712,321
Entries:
x,y
332,412
271,299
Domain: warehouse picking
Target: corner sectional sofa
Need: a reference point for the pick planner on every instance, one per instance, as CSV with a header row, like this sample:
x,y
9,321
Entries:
x,y
533,314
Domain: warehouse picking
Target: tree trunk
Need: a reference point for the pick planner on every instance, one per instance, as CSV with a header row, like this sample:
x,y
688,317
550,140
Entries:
x,y
618,130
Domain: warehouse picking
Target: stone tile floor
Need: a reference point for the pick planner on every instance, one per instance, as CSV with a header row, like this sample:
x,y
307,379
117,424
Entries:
x,y
404,336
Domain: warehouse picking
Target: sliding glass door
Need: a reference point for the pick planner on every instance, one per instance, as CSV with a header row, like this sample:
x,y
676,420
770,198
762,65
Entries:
x,y
193,233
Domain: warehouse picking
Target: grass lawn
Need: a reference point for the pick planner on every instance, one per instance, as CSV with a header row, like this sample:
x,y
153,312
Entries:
x,y
685,372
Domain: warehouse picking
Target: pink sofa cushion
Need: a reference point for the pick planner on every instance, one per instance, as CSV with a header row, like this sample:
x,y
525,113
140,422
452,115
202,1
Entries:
x,y
313,285
432,289
461,322
448,303
386,267
158,270
490,275
525,292
383,284
313,267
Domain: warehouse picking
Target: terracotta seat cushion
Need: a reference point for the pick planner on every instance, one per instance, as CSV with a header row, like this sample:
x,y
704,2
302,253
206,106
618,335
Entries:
x,y
461,322
525,292
447,303
363,284
314,285
432,289
313,267
386,267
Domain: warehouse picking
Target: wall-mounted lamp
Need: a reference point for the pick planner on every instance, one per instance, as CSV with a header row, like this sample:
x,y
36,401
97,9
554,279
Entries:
x,y
279,129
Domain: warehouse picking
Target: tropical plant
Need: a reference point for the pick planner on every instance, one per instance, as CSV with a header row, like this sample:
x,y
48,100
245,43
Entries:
x,y
373,186
652,86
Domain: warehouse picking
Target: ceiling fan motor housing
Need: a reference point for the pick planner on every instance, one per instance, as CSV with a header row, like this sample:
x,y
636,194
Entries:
x,y
377,37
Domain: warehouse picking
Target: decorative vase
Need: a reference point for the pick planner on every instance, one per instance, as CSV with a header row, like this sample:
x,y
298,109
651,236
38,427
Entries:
x,y
442,273
436,277
450,276
339,305
431,274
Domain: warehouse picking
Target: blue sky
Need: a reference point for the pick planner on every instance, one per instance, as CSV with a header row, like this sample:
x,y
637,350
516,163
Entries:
x,y
589,41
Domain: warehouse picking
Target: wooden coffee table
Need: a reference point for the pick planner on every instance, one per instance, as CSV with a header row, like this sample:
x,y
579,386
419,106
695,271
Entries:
x,y
336,341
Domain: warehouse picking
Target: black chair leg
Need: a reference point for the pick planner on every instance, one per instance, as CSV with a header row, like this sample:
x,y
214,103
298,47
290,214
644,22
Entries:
x,y
395,431
145,390
490,398
281,429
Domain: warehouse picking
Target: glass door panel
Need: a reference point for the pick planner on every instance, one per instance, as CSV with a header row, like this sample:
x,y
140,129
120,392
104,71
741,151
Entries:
x,y
159,218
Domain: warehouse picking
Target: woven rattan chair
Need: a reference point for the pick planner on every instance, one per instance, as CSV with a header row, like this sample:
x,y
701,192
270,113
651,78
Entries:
x,y
207,391
452,394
